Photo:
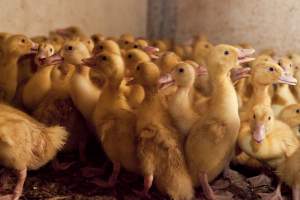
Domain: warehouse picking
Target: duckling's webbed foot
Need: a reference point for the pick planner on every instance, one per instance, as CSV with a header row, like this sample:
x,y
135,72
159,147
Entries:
x,y
112,179
276,195
207,190
19,187
148,180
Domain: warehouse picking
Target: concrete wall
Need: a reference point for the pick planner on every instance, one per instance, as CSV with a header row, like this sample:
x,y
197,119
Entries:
x,y
111,17
263,23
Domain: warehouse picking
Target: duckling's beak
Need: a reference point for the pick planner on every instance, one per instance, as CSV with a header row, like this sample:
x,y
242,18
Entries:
x,y
259,133
239,73
151,51
131,81
244,55
287,79
90,62
166,81
34,47
201,71
51,60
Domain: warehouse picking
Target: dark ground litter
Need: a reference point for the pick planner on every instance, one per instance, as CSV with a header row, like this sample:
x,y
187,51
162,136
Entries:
x,y
71,185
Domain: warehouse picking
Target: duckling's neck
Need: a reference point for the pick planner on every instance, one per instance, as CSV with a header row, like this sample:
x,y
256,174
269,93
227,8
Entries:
x,y
223,99
83,70
261,95
150,92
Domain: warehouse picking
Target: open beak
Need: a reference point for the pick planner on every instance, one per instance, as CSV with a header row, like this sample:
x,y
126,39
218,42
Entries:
x,y
34,47
244,55
166,81
239,73
287,79
51,60
259,133
90,62
131,81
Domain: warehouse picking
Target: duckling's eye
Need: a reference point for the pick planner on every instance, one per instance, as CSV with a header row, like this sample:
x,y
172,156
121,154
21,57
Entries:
x,y
104,58
206,46
129,56
138,68
290,65
126,42
70,48
271,69
101,47
181,70
254,116
51,50
226,53
135,46
298,111
89,42
279,63
23,40
269,118
290,57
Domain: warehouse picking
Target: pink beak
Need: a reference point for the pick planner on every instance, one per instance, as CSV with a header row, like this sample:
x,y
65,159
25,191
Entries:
x,y
52,60
166,81
259,133
91,62
201,70
243,55
34,47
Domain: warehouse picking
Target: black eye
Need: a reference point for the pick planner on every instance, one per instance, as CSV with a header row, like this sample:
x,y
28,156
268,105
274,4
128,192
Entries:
x,y
104,58
226,53
298,111
89,42
101,47
290,57
70,48
253,116
135,46
271,69
138,68
206,46
181,70
279,63
23,40
50,50
126,42
269,118
129,56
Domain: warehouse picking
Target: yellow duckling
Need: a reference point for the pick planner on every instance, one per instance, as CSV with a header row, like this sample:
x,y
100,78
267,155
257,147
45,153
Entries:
x,y
159,150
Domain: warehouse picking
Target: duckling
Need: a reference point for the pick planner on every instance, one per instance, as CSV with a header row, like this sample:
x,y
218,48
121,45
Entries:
x,y
139,44
125,41
113,118
161,45
97,38
282,95
295,58
57,41
88,42
213,136
167,62
263,75
70,32
180,104
159,150
39,84
262,138
57,108
107,45
39,39
26,144
14,47
291,116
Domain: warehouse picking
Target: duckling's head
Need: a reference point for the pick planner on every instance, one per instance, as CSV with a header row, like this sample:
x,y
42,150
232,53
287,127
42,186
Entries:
x,y
168,61
107,65
267,73
202,48
291,115
161,45
146,74
222,58
261,121
70,32
57,41
45,50
74,52
261,58
139,44
39,39
19,45
295,58
88,42
97,38
107,45
126,40
287,65
184,75
133,57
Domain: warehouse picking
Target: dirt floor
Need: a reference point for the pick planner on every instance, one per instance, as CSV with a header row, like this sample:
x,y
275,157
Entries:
x,y
70,184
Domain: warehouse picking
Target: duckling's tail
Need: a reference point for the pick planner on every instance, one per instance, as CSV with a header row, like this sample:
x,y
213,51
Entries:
x,y
56,138
181,187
